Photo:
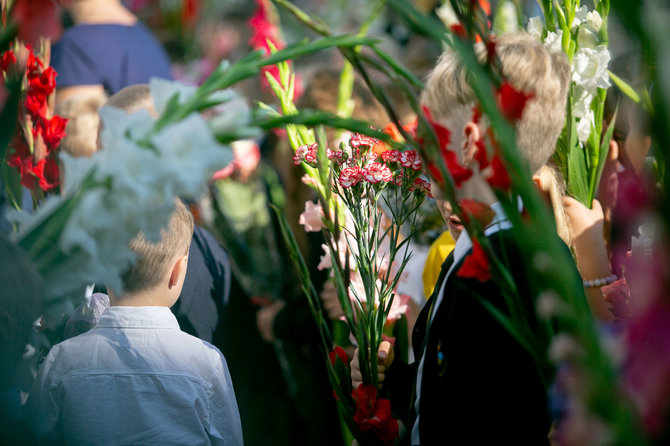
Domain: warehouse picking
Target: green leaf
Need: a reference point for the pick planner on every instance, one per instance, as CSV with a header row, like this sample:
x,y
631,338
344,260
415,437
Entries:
x,y
604,151
9,115
624,87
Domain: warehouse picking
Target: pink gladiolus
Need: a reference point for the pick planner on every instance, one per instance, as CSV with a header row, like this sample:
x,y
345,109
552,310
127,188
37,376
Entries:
x,y
312,218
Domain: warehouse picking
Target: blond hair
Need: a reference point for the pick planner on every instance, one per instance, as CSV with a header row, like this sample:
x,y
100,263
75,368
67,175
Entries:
x,y
133,98
528,67
154,259
81,111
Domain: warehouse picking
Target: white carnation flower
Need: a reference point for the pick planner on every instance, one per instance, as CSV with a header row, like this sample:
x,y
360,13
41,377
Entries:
x,y
535,27
589,68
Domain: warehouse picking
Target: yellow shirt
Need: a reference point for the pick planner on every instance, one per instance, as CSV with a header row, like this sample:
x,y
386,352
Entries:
x,y
438,252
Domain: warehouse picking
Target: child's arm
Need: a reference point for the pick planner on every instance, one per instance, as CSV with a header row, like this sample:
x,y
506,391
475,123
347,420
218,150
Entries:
x,y
591,253
44,404
224,426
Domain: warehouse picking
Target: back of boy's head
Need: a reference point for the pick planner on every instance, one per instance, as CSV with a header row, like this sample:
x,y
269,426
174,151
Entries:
x,y
528,67
154,259
133,98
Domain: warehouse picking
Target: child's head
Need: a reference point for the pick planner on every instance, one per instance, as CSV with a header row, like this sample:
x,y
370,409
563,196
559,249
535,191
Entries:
x,y
528,67
133,98
81,111
160,266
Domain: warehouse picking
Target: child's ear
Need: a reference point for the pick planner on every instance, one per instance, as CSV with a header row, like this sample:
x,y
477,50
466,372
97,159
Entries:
x,y
472,135
178,271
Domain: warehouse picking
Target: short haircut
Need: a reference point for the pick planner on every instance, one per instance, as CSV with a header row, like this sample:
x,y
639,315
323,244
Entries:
x,y
81,111
528,67
133,98
154,258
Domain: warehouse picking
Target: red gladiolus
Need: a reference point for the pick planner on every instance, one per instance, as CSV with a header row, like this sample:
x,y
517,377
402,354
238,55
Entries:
x,y
8,58
435,174
35,19
481,156
512,101
458,172
459,30
374,414
338,352
47,173
476,265
499,177
477,210
443,133
53,131
43,84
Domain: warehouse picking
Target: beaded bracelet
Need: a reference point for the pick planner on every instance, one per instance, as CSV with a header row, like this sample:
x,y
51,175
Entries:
x,y
595,283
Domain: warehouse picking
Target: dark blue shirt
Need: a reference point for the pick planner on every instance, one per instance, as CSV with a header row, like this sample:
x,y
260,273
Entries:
x,y
112,55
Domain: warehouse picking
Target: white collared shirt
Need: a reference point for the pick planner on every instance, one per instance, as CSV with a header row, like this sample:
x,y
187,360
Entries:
x,y
462,247
135,378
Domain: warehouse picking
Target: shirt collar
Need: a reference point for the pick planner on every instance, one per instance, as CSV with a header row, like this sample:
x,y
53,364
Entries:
x,y
137,317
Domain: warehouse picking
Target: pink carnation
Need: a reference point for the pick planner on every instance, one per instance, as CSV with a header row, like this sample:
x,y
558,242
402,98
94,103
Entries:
x,y
312,218
377,172
362,140
410,159
350,176
305,154
421,186
397,179
337,155
391,156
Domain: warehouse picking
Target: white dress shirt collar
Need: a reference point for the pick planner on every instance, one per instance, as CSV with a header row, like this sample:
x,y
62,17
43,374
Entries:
x,y
138,317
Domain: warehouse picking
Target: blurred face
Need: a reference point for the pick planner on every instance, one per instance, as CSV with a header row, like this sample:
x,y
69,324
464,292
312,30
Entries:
x,y
453,221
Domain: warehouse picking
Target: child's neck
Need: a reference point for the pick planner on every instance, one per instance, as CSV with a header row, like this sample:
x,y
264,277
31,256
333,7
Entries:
x,y
100,11
148,298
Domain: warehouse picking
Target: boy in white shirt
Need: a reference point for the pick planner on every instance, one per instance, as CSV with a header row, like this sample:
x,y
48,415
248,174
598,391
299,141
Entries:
x,y
136,378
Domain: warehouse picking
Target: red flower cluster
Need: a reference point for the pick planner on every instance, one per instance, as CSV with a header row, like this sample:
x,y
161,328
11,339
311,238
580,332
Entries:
x,y
459,173
476,265
374,414
265,32
338,352
35,19
38,165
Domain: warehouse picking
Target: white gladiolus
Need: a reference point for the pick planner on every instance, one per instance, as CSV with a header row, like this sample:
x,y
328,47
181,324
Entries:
x,y
589,68
587,38
447,14
594,21
580,16
127,187
506,19
582,99
535,27
584,126
553,42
